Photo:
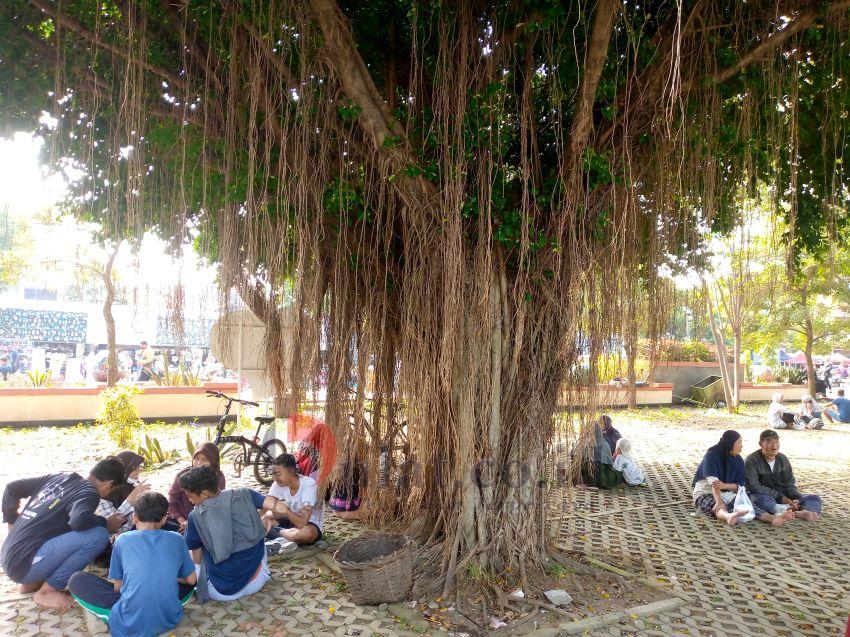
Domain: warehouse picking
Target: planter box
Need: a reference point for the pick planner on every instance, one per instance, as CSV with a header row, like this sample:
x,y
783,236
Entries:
x,y
612,396
764,393
70,405
685,374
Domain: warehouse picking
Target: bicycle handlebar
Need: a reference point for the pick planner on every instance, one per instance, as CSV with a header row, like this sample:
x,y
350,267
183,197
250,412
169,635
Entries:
x,y
217,394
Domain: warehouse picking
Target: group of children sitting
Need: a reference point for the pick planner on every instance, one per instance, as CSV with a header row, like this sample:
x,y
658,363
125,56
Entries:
x,y
202,539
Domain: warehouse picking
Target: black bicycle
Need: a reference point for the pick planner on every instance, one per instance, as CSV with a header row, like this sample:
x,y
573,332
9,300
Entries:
x,y
260,456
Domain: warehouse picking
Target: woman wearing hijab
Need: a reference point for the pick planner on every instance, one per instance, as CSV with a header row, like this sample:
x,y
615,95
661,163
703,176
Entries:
x,y
598,470
717,479
179,506
610,434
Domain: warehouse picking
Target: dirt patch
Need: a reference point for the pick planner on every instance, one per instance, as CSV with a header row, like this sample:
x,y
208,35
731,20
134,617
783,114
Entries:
x,y
486,602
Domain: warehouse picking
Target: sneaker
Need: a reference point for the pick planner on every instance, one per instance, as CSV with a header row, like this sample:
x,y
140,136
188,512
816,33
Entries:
x,y
817,423
280,546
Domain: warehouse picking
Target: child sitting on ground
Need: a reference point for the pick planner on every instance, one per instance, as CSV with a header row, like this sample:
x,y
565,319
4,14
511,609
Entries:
x,y
124,497
632,472
226,536
179,505
303,513
151,576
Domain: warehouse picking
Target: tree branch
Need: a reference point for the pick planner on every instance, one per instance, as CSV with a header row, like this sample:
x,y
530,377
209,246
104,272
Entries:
x,y
196,49
651,80
594,61
385,132
802,21
84,32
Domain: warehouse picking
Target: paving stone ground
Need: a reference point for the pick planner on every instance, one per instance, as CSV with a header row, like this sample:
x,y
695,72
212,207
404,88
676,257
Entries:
x,y
305,597
748,580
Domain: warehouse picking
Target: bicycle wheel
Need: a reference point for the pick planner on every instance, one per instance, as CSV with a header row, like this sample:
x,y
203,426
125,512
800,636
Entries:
x,y
264,461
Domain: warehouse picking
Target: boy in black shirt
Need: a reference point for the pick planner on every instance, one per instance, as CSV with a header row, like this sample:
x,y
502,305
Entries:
x,y
57,533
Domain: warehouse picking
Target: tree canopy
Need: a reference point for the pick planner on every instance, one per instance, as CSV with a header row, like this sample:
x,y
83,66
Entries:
x,y
467,196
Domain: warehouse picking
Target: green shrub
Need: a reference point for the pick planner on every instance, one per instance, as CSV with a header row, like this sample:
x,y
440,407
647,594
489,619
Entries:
x,y
118,412
181,377
670,349
40,378
787,374
154,456
613,366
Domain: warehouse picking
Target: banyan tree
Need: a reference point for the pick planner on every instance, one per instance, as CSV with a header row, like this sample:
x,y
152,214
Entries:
x,y
463,201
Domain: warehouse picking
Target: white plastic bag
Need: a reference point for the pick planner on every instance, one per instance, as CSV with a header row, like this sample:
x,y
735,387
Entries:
x,y
742,503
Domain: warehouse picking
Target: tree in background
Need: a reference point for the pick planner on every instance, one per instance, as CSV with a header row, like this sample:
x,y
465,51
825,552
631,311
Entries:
x,y
744,265
811,309
16,249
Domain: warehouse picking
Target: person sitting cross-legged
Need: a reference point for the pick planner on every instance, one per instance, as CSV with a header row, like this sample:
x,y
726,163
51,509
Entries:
x,y
838,409
151,576
810,413
303,516
719,476
226,536
779,416
771,484
58,532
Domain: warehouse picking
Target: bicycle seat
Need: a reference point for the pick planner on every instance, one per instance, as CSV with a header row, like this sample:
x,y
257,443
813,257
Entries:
x,y
264,419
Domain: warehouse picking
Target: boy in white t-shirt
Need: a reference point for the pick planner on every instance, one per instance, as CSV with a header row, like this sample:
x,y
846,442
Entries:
x,y
304,516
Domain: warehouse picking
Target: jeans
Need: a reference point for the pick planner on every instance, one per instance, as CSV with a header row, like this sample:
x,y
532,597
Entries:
x,y
62,556
807,503
836,417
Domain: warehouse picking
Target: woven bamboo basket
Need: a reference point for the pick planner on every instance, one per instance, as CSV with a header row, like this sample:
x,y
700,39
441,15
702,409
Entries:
x,y
377,568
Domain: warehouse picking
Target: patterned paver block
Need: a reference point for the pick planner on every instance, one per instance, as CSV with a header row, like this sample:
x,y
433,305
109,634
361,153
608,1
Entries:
x,y
747,580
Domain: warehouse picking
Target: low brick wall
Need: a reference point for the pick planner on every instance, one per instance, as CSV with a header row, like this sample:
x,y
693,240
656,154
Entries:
x,y
764,393
62,405
611,395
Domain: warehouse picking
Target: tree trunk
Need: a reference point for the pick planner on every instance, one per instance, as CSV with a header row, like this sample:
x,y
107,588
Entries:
x,y
810,363
631,353
736,370
112,353
725,374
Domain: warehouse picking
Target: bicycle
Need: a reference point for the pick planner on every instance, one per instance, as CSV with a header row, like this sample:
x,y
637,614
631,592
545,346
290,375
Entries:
x,y
263,461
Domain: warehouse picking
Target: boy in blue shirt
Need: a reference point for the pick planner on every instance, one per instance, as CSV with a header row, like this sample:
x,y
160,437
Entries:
x,y
226,535
151,576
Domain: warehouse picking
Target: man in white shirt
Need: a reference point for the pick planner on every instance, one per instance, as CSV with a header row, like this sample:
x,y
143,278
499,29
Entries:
x,y
304,516
146,358
779,416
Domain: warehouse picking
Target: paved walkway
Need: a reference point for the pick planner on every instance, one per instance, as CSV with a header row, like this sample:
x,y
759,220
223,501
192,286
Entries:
x,y
746,580
304,597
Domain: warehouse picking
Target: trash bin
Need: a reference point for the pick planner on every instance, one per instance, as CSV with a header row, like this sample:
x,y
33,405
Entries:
x,y
708,391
